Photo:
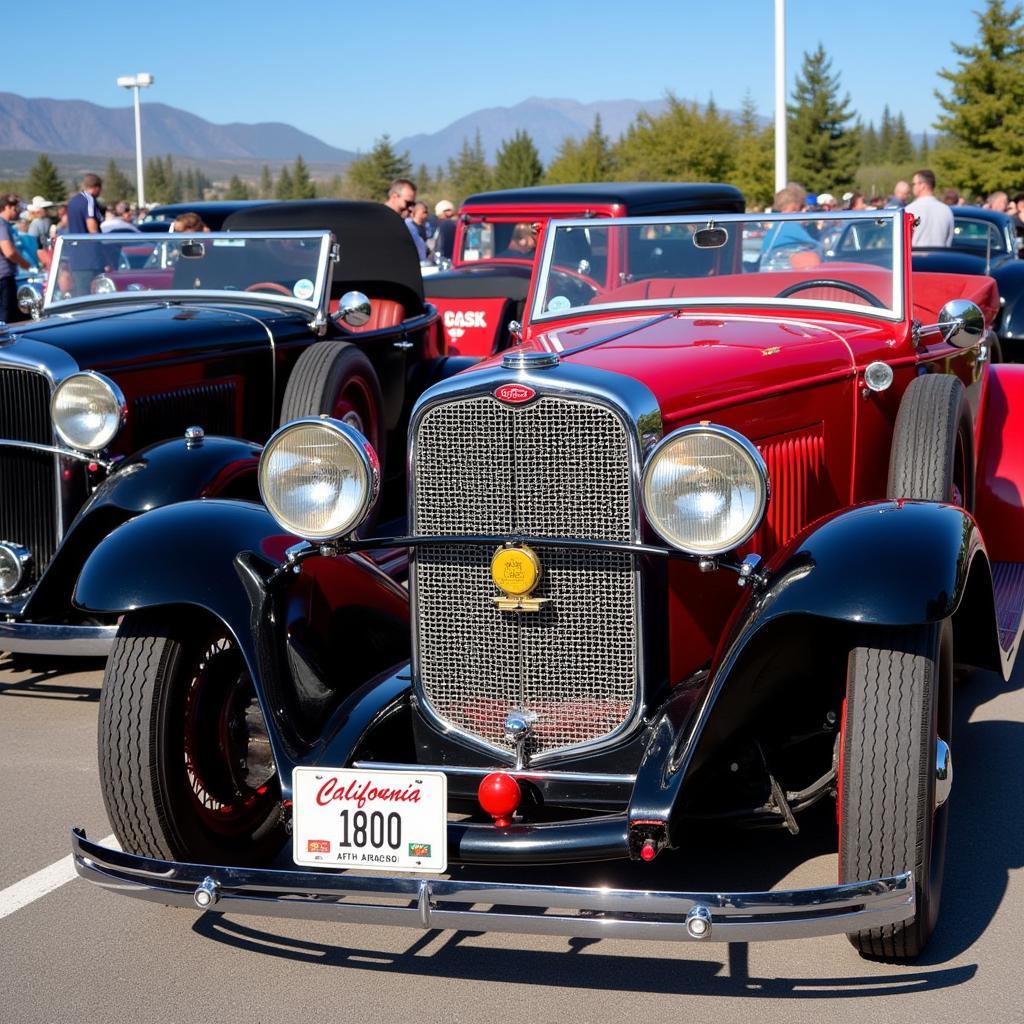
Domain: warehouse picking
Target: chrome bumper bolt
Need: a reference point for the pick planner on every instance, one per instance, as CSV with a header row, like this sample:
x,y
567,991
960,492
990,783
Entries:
x,y
207,893
698,922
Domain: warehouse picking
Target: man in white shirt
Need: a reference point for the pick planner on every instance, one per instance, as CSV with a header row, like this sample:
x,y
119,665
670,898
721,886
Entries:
x,y
934,218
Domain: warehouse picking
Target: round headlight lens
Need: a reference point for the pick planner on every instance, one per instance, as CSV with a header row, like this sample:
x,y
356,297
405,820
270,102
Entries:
x,y
705,489
88,410
319,478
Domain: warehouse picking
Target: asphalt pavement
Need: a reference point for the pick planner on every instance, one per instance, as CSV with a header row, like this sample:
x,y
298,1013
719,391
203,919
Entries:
x,y
70,952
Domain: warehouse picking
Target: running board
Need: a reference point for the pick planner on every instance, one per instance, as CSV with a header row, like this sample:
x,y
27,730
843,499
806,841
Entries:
x,y
1008,590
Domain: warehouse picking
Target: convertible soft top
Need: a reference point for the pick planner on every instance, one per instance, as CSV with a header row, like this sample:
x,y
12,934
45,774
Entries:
x,y
638,197
376,252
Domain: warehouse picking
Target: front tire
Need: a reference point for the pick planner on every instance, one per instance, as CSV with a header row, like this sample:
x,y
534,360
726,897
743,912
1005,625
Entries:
x,y
898,706
184,757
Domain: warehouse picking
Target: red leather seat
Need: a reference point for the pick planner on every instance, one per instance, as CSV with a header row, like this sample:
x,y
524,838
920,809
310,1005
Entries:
x,y
383,313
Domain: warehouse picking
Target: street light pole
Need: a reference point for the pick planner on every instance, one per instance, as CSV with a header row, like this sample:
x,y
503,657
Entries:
x,y
781,175
136,82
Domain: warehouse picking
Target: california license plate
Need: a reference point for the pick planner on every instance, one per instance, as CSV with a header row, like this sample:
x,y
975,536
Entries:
x,y
385,821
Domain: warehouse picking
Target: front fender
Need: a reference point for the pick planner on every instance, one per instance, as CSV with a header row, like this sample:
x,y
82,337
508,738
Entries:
x,y
310,640
161,475
884,564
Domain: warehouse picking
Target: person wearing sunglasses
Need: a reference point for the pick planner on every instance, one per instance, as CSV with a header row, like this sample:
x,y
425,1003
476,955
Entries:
x,y
401,196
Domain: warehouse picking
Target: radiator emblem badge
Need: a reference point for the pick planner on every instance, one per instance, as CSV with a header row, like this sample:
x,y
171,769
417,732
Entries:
x,y
516,572
514,394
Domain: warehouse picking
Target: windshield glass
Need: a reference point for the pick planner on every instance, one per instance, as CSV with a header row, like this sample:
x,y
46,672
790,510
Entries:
x,y
850,262
288,266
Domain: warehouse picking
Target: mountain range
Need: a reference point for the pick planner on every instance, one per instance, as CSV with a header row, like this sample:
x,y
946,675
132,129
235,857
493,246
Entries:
x,y
74,129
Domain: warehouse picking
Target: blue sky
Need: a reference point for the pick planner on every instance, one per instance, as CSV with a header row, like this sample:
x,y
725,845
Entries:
x,y
350,71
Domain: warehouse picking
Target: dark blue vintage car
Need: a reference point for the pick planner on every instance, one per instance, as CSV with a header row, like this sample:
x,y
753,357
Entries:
x,y
299,309
984,242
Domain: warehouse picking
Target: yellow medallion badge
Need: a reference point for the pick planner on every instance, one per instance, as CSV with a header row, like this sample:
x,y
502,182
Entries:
x,y
516,572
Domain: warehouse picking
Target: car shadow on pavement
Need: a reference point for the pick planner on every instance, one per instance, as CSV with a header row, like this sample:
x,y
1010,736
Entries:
x,y
986,818
593,971
26,675
986,842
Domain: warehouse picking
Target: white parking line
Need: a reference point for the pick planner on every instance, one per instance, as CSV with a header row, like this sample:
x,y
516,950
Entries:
x,y
19,895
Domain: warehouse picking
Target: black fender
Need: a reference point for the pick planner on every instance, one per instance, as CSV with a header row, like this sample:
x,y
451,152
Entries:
x,y
160,475
882,564
310,639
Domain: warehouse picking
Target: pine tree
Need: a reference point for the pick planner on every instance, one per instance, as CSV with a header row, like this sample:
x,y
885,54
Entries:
x,y
870,150
116,184
237,189
901,151
682,144
158,188
266,188
983,113
284,188
823,146
885,136
43,180
469,171
302,184
369,176
924,150
588,159
755,151
517,163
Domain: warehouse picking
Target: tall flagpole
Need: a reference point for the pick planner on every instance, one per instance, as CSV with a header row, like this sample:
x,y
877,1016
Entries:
x,y
781,176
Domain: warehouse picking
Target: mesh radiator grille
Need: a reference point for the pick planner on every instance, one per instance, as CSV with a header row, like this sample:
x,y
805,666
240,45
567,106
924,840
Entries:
x,y
555,468
28,497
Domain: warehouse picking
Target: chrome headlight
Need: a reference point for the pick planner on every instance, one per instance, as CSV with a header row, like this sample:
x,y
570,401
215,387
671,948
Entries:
x,y
88,410
319,478
705,489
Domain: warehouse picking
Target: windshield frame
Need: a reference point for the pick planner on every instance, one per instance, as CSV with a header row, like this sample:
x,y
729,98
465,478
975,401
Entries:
x,y
895,314
315,307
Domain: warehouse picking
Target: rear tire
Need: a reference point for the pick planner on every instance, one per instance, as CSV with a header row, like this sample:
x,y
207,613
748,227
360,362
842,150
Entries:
x,y
335,378
898,703
185,764
932,456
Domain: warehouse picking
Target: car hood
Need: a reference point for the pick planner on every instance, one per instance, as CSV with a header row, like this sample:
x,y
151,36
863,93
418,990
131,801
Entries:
x,y
111,336
956,261
699,362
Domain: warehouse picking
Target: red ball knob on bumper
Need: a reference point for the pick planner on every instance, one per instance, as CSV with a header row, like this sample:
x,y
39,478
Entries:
x,y
499,796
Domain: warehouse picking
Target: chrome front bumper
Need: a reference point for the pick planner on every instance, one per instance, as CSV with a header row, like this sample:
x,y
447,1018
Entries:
x,y
60,639
490,906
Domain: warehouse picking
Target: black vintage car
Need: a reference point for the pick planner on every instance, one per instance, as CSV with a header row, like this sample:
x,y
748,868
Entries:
x,y
105,398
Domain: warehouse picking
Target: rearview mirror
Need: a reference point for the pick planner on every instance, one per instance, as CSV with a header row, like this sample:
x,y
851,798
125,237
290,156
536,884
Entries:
x,y
962,323
354,309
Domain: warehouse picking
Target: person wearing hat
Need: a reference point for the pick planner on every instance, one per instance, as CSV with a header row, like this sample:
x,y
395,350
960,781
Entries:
x,y
827,201
39,225
444,233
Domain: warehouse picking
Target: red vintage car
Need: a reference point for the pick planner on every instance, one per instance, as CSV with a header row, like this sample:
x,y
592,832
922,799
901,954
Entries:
x,y
705,549
499,234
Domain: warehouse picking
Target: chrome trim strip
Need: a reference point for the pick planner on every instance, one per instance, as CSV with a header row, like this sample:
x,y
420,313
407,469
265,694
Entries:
x,y
520,773
425,902
59,638
273,353
638,410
